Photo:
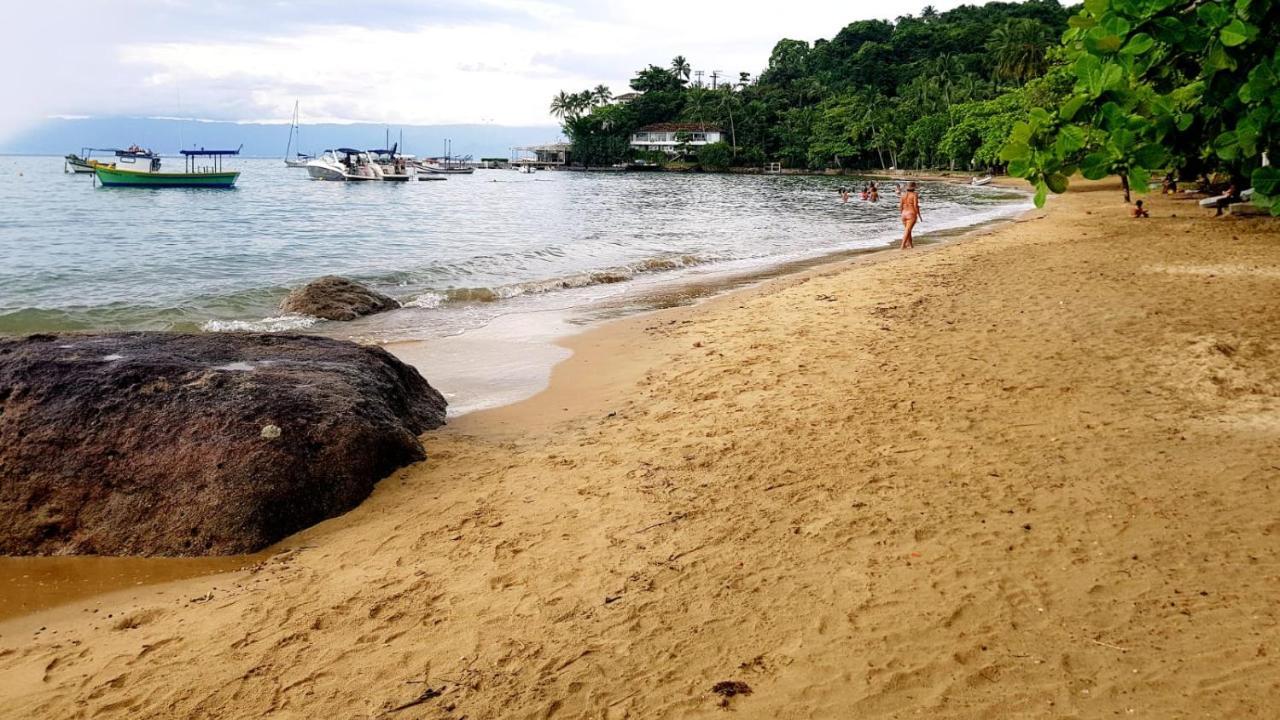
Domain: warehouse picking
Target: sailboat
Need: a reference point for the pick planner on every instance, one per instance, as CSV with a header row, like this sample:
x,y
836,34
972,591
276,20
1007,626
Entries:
x,y
299,159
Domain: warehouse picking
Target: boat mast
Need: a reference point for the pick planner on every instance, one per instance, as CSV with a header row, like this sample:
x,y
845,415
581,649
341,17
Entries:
x,y
293,127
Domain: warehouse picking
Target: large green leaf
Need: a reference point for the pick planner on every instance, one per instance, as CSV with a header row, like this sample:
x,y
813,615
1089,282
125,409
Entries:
x,y
1096,8
1071,138
1019,168
1138,179
1168,29
1218,59
1042,194
1100,41
1138,44
1151,156
1237,33
1096,165
1266,181
1213,14
1015,150
1071,107
1226,145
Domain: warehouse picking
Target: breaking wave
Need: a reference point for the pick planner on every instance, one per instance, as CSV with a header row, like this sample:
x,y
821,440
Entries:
x,y
608,276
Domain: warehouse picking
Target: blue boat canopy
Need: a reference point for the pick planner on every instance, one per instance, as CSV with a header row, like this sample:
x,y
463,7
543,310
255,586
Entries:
x,y
210,153
349,151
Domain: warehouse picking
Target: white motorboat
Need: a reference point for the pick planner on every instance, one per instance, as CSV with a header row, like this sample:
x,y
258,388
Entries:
x,y
394,167
344,165
526,169
981,180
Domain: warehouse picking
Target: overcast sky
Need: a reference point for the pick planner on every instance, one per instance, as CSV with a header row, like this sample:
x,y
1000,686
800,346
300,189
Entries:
x,y
383,61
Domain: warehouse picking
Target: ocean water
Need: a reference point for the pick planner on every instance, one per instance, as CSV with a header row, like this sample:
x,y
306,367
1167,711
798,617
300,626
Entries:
x,y
458,253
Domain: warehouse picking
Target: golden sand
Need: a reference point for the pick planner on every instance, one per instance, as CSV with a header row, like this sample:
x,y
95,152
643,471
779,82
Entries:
x,y
1035,473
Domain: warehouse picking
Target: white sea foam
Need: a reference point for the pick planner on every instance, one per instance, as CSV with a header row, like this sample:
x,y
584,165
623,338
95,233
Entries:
x,y
283,323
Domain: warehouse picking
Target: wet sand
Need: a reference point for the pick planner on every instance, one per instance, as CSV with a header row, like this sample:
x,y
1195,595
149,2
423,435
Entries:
x,y
1033,474
506,361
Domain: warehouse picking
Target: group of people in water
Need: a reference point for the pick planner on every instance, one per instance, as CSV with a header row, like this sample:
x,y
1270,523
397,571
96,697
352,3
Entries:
x,y
908,205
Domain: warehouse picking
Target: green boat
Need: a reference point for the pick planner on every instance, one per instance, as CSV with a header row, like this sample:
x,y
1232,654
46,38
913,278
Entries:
x,y
141,168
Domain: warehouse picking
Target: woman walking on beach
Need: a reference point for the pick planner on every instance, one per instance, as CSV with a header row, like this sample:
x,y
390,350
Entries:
x,y
910,207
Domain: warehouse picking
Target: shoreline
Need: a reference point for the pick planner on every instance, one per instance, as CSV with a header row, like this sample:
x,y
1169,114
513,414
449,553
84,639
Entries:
x,y
543,379
978,479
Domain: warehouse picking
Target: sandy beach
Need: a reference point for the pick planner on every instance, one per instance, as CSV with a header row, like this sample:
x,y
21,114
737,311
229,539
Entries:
x,y
1032,473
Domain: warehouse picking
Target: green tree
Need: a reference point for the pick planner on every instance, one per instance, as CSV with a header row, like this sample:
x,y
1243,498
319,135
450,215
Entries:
x,y
1019,47
1158,84
715,156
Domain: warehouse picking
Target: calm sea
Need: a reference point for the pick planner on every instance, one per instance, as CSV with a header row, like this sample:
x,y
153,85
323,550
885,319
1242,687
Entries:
x,y
457,253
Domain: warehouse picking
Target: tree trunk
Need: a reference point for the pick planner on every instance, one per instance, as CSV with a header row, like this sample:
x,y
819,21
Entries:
x,y
1124,183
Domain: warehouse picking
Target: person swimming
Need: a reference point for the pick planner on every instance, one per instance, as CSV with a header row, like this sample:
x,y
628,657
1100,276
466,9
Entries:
x,y
909,205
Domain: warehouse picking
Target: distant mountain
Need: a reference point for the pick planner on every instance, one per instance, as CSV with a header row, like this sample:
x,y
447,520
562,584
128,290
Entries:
x,y
61,136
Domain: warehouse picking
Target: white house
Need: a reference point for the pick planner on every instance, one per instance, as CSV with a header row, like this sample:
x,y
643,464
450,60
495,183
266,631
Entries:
x,y
667,137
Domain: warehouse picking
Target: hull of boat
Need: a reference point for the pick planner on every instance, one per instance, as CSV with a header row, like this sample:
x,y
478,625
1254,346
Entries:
x,y
132,178
436,170
296,163
324,172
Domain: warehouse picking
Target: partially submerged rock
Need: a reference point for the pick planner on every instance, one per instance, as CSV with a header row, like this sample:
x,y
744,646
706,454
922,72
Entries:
x,y
195,444
335,298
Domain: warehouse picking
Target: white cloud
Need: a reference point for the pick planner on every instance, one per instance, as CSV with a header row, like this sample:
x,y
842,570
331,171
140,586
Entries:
x,y
386,61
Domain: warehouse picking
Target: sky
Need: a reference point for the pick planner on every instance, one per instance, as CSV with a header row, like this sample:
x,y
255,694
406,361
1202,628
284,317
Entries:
x,y
385,61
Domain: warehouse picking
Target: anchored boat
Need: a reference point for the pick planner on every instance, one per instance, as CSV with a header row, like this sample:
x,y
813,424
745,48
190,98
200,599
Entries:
x,y
141,168
300,159
83,163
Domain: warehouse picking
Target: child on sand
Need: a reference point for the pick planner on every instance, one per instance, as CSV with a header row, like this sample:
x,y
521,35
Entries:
x,y
1139,211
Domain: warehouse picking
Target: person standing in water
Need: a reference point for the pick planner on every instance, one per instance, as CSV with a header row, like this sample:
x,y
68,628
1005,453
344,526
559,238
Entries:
x,y
910,207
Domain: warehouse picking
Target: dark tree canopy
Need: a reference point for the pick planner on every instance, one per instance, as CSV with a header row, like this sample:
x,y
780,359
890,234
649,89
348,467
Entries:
x,y
913,92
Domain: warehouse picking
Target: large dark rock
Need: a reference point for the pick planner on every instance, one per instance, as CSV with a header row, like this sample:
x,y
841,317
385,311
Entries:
x,y
335,298
185,444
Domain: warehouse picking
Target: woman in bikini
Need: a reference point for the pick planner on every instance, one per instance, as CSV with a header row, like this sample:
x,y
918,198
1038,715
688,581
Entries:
x,y
910,207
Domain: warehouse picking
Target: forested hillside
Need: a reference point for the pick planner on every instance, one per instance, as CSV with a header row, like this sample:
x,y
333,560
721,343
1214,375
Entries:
x,y
934,90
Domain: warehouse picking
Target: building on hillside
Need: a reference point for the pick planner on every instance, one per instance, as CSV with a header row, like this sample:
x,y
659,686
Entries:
x,y
625,98
669,137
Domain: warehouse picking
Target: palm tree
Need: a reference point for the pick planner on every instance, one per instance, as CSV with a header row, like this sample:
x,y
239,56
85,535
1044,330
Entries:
x,y
602,95
580,102
561,105
744,79
929,13
680,67
1019,47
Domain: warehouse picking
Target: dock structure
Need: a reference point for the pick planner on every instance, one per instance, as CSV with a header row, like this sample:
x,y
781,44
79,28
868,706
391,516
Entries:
x,y
545,157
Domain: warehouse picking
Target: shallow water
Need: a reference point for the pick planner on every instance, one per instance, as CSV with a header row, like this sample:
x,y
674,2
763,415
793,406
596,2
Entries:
x,y
493,268
457,253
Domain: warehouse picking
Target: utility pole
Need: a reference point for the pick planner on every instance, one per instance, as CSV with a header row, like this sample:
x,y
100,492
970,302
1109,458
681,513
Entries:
x,y
715,78
697,74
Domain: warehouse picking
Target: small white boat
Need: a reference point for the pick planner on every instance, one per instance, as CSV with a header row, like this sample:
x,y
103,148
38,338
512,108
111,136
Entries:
x,y
395,168
430,168
84,164
978,181
526,169
1209,202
